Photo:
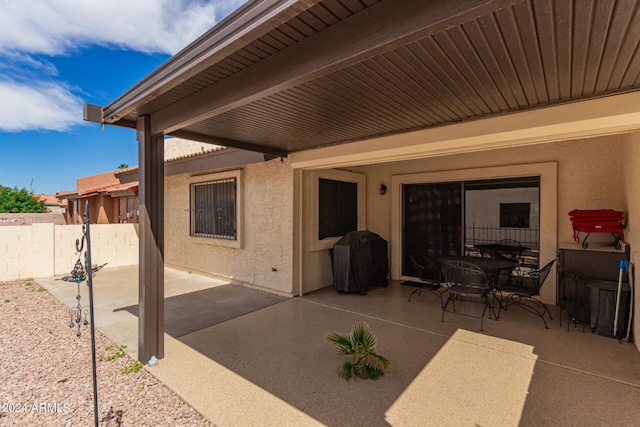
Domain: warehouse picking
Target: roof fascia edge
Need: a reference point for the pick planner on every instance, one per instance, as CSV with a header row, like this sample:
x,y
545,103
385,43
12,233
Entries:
x,y
256,17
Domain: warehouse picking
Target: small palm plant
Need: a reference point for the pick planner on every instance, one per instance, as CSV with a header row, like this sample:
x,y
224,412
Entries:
x,y
360,345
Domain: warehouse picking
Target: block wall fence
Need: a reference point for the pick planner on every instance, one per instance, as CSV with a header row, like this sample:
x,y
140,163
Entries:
x,y
45,250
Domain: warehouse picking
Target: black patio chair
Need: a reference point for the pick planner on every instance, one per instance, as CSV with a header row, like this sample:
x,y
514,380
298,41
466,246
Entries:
x,y
430,274
511,250
464,280
523,290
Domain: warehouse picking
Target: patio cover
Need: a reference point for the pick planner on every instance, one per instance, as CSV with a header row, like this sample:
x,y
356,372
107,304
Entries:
x,y
282,77
286,76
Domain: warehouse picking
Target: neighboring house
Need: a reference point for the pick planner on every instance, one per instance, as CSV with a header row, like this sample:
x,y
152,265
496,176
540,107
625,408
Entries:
x,y
426,100
51,203
110,200
113,196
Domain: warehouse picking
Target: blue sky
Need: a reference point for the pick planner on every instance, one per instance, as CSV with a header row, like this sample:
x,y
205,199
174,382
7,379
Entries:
x,y
55,55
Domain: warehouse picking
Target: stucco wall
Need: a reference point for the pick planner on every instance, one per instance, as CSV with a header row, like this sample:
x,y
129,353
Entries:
x,y
177,147
267,230
317,271
588,177
631,188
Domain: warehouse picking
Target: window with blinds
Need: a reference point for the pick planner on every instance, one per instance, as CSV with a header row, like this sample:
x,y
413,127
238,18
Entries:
x,y
338,207
213,209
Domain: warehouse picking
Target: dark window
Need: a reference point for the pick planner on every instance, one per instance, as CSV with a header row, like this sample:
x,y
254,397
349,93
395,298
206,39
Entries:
x,y
132,214
213,209
515,215
432,221
337,207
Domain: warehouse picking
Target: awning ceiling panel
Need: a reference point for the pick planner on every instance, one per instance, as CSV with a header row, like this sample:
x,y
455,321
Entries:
x,y
391,67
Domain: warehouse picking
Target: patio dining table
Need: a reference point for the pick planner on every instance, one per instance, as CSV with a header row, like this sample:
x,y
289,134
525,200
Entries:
x,y
491,266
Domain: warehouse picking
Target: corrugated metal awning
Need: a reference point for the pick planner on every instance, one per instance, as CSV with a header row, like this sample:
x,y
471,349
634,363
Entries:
x,y
287,76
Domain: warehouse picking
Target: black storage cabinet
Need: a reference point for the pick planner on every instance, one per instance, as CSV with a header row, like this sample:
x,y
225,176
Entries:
x,y
602,307
588,281
360,262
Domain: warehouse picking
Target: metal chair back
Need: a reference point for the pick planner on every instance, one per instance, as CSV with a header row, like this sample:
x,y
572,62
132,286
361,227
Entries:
x,y
531,283
464,278
430,275
525,288
427,270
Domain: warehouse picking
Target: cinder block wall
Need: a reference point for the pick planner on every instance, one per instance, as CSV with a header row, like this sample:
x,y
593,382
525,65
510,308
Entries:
x,y
44,250
15,253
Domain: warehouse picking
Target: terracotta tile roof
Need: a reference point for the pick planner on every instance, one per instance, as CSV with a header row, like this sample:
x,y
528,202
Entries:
x,y
121,171
64,194
123,187
88,192
199,153
173,159
8,219
48,199
95,190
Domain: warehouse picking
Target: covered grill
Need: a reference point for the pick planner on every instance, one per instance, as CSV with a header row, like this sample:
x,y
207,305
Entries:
x,y
360,262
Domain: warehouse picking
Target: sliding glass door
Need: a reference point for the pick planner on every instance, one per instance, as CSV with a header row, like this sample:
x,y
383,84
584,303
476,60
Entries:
x,y
449,219
432,221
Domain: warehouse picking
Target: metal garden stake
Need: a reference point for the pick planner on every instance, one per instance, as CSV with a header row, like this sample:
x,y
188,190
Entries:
x,y
79,274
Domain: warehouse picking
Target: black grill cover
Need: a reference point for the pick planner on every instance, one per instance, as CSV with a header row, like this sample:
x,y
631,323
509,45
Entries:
x,y
360,262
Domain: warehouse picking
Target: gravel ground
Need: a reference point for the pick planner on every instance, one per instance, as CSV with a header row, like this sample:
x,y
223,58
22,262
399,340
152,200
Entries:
x,y
45,371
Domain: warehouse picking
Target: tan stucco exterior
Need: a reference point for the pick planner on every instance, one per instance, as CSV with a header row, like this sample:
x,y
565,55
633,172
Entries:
x,y
581,174
266,240
278,222
588,173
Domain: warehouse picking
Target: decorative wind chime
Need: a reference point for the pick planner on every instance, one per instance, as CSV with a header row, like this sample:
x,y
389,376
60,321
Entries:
x,y
78,313
80,273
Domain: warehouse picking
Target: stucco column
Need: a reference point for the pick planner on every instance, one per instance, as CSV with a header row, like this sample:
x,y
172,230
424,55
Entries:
x,y
151,260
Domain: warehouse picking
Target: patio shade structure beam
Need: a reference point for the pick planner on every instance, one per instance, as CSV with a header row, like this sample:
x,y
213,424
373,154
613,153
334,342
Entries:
x,y
151,263
194,136
250,21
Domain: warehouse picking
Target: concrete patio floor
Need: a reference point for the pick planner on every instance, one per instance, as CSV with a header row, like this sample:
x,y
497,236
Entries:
x,y
270,365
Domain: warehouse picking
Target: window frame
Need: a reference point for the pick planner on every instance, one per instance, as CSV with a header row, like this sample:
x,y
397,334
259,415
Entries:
x,y
548,203
509,212
316,244
341,198
239,209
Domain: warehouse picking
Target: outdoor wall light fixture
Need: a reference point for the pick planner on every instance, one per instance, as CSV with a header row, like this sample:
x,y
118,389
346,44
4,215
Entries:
x,y
383,189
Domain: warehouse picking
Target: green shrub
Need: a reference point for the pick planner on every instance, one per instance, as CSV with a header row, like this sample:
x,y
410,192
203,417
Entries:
x,y
359,347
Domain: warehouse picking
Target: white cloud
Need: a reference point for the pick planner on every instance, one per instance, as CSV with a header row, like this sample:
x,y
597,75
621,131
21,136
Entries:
x,y
38,106
24,65
55,27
